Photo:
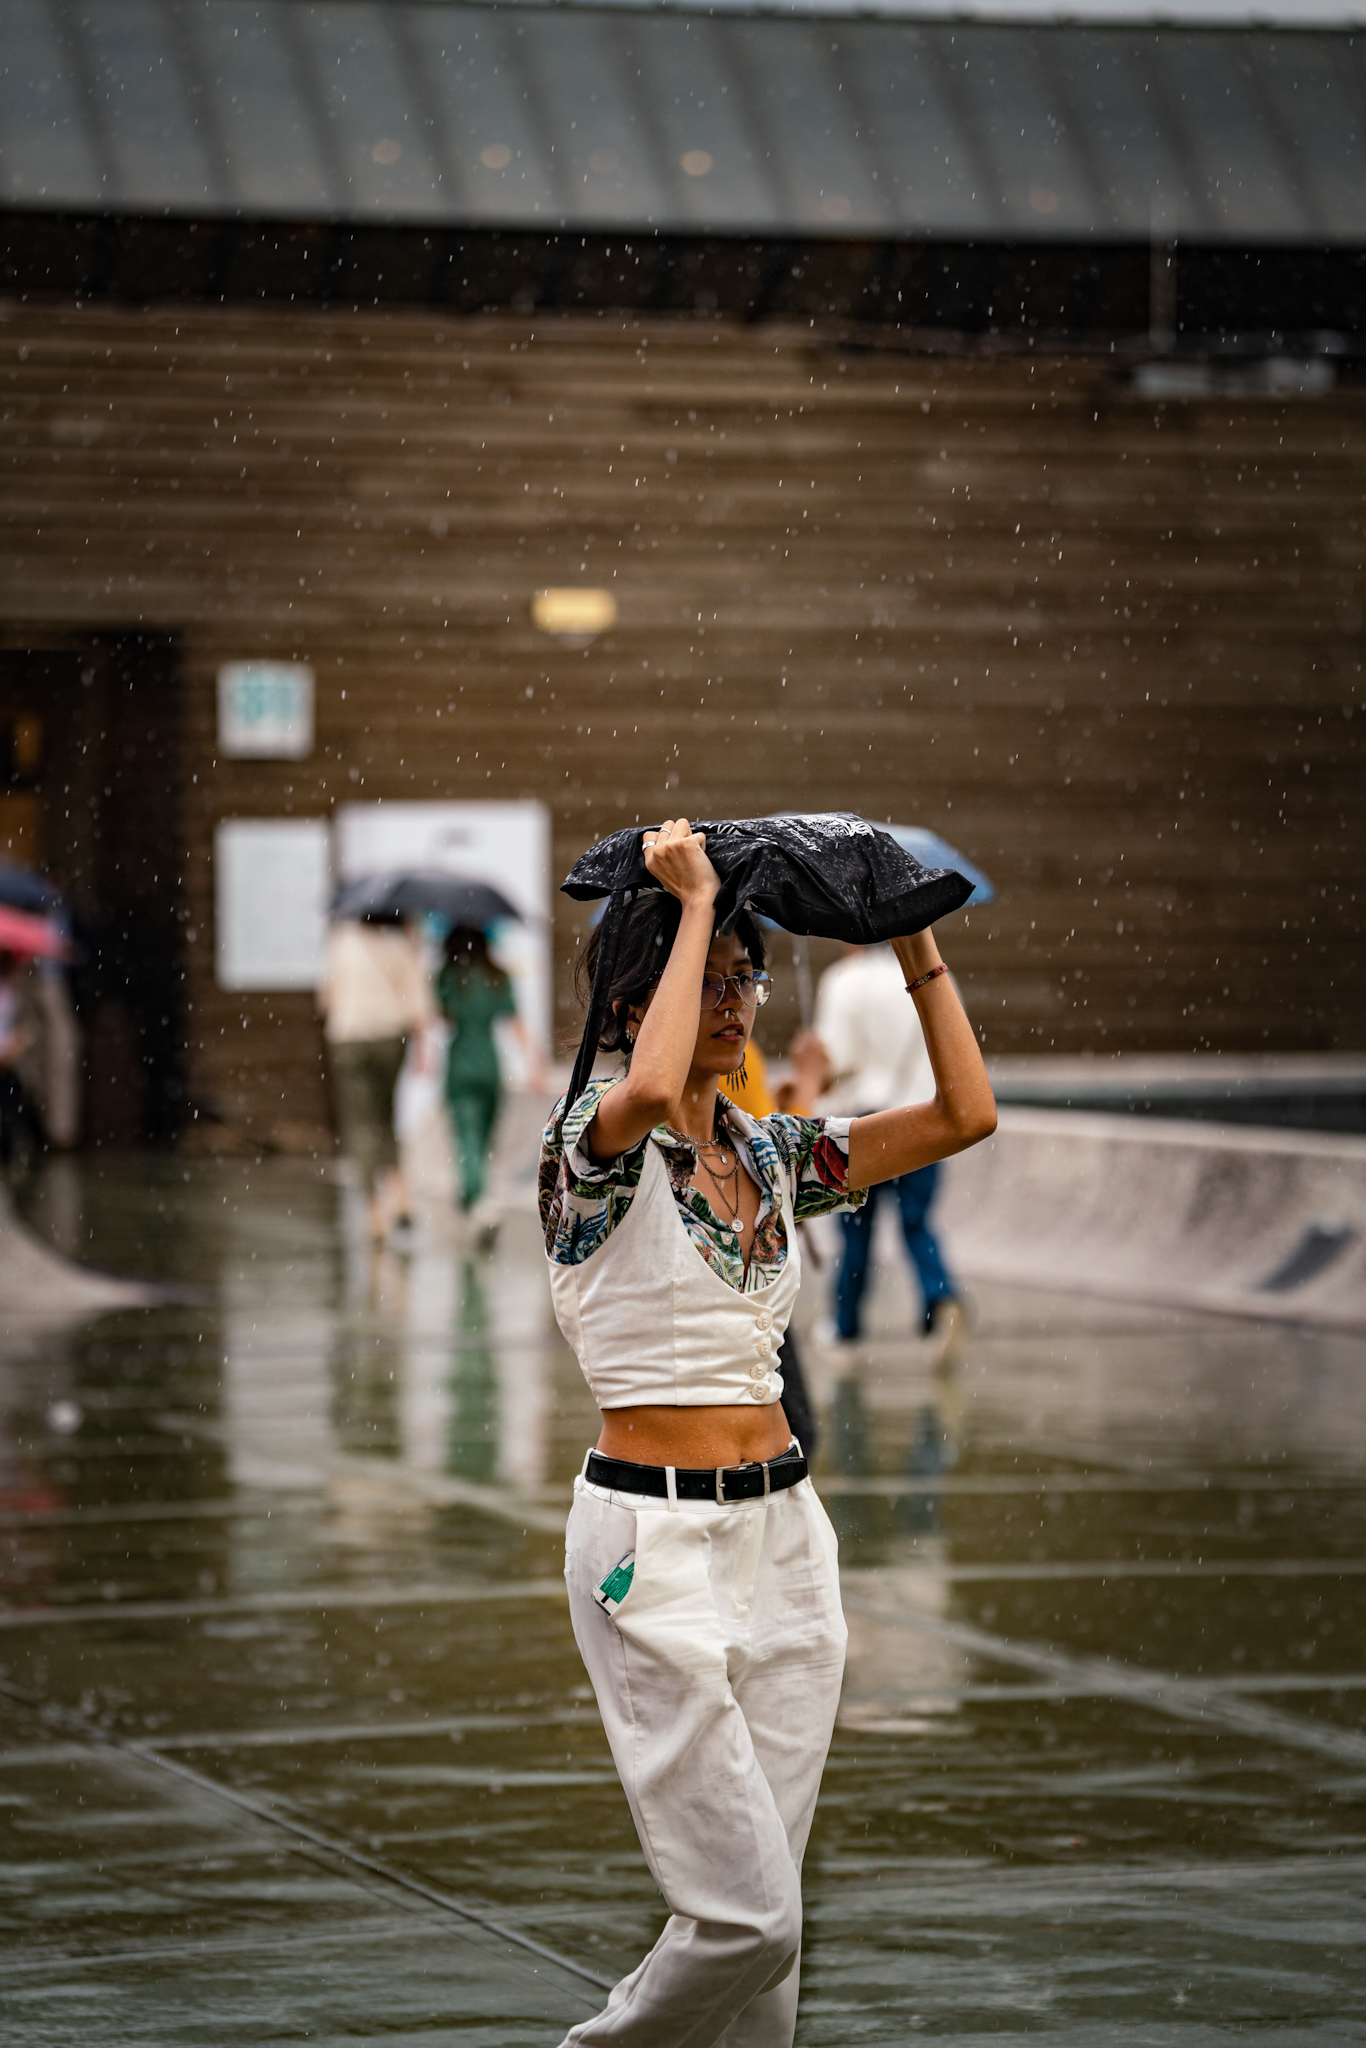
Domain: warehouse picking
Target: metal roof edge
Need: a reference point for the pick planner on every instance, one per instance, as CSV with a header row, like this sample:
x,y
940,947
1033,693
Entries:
x,y
1316,17
1022,236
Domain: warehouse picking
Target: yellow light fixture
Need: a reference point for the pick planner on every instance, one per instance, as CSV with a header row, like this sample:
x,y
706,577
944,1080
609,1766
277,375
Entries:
x,y
495,156
696,162
578,612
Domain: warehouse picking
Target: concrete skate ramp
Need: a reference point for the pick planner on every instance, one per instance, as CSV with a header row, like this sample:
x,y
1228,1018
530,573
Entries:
x,y
38,1286
1269,1223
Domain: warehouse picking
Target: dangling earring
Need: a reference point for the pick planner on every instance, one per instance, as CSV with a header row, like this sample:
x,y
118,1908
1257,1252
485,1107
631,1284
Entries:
x,y
742,1074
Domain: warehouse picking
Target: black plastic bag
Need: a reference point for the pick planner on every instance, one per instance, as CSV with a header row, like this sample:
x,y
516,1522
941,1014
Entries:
x,y
828,876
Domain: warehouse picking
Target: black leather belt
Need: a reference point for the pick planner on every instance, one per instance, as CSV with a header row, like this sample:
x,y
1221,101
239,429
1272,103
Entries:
x,y
707,1482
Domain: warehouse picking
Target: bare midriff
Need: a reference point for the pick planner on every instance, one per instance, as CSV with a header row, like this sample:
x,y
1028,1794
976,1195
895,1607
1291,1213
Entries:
x,y
695,1436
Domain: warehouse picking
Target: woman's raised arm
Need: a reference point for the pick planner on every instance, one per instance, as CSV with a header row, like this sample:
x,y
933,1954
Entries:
x,y
963,1111
666,1036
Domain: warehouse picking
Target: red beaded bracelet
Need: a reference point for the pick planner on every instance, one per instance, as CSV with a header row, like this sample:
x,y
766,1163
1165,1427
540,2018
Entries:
x,y
912,986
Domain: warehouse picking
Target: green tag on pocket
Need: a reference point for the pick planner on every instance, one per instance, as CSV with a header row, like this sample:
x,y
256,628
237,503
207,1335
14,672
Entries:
x,y
614,1588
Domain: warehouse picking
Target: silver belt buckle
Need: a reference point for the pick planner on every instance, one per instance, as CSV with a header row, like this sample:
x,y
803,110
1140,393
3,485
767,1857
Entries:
x,y
766,1480
720,1486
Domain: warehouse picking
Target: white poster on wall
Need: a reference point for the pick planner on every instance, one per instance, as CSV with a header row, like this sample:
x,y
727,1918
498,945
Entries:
x,y
507,844
271,883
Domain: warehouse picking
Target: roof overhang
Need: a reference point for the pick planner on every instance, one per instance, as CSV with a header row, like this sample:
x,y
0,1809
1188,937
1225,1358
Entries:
x,y
606,119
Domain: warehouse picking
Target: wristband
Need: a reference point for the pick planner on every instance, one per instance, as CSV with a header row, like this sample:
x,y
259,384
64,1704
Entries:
x,y
912,986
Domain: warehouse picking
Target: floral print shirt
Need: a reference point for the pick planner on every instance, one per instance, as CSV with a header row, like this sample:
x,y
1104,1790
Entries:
x,y
583,1199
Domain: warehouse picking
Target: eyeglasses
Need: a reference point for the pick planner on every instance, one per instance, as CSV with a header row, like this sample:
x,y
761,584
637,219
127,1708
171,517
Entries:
x,y
751,989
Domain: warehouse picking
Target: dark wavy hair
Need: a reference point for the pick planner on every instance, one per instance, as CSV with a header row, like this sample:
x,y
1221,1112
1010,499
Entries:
x,y
647,938
467,946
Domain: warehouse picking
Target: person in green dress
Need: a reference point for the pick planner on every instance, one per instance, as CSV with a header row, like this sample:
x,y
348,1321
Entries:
x,y
473,992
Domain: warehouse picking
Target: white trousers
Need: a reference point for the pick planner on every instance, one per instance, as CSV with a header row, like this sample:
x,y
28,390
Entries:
x,y
717,1677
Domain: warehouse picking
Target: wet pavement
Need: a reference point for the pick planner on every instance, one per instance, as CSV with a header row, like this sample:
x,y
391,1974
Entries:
x,y
295,1743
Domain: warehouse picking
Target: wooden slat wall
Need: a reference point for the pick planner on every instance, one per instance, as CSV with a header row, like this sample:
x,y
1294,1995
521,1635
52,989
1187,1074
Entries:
x,y
1111,647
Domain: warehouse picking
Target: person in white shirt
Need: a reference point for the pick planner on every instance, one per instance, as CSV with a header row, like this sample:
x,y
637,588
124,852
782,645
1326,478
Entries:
x,y
876,1059
374,996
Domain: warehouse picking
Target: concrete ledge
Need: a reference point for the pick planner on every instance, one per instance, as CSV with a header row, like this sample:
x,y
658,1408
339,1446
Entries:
x,y
1264,1223
1291,1091
38,1286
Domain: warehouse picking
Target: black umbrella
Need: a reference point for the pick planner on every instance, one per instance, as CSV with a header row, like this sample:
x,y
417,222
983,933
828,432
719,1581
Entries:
x,y
24,888
826,874
423,889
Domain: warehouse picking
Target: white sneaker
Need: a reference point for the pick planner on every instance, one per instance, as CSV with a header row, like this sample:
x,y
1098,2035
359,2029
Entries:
x,y
949,1335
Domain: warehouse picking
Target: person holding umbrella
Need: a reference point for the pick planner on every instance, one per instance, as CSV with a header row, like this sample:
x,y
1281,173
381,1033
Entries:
x,y
15,1038
473,992
22,938
374,997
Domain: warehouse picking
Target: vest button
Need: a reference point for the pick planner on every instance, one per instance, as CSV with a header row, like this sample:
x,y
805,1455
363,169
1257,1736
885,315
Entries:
x,y
763,1346
764,1320
758,1371
759,1392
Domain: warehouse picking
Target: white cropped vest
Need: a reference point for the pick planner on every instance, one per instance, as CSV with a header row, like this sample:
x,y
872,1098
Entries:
x,y
650,1322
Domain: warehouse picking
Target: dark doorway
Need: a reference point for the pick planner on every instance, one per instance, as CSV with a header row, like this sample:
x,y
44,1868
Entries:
x,y
89,793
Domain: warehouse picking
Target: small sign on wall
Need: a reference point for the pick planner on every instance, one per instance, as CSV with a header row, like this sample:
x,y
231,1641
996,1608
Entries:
x,y
272,879
265,710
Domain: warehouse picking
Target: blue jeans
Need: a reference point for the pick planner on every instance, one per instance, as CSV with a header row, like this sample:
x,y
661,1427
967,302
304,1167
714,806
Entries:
x,y
914,1193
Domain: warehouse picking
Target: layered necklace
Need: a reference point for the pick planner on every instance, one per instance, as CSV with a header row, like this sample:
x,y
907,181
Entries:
x,y
727,1185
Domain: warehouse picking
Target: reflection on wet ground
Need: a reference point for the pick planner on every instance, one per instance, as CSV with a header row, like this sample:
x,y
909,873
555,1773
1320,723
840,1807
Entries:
x,y
295,1742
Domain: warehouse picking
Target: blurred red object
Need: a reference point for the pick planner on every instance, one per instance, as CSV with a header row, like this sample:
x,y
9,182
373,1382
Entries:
x,y
20,933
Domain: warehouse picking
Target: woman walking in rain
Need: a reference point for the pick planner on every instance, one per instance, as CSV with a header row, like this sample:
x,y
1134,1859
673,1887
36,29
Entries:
x,y
473,992
701,1566
374,996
